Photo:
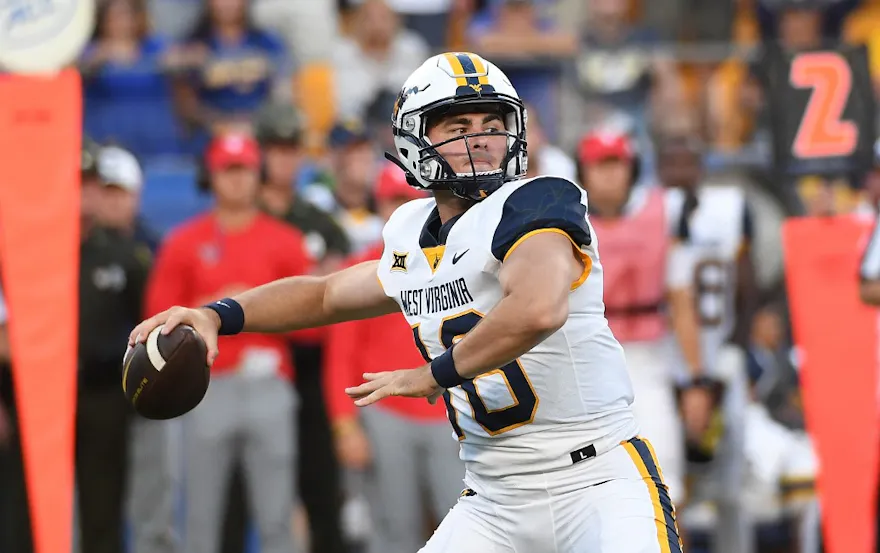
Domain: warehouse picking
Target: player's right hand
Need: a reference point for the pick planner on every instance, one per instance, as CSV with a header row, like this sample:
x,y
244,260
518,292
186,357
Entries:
x,y
205,321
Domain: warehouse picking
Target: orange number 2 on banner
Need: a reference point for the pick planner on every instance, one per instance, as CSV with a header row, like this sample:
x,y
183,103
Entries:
x,y
822,133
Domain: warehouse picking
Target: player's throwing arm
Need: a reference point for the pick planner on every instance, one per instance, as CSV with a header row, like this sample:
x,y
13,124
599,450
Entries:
x,y
283,305
536,281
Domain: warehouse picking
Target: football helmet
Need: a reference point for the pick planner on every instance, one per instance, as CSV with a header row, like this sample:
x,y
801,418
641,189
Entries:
x,y
446,83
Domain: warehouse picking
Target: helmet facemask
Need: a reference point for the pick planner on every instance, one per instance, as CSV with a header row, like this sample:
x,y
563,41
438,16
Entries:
x,y
432,171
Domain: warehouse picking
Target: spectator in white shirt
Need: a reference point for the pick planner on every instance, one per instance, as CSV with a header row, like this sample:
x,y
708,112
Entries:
x,y
428,18
377,58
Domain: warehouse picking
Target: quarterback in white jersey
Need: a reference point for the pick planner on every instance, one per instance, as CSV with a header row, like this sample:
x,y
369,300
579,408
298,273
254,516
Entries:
x,y
501,280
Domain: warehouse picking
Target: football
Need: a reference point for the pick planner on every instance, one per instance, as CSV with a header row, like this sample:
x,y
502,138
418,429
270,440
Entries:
x,y
166,375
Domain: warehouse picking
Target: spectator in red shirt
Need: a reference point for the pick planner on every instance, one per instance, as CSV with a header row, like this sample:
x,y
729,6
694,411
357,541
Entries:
x,y
405,440
247,415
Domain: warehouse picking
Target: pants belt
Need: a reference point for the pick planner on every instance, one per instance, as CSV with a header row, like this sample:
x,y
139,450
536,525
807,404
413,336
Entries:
x,y
577,456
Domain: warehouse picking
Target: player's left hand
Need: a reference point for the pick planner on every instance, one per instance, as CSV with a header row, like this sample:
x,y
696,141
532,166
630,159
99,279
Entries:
x,y
407,382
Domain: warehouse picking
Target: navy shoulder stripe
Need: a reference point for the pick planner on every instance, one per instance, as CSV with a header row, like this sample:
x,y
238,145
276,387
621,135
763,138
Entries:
x,y
545,202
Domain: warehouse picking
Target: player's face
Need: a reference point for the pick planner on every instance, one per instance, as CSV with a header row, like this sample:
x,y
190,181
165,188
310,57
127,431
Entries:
x,y
608,182
282,163
354,166
608,9
486,151
800,29
376,21
679,168
236,186
227,11
120,20
90,197
767,329
118,206
820,197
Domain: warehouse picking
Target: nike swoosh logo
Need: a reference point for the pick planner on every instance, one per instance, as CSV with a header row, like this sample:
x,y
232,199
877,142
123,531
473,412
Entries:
x,y
458,256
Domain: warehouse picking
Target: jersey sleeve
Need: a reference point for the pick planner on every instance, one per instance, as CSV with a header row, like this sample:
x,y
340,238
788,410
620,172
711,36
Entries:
x,y
682,257
386,255
674,203
680,265
543,203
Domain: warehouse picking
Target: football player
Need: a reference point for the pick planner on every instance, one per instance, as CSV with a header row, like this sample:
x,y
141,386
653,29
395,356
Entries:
x,y
648,294
500,278
719,226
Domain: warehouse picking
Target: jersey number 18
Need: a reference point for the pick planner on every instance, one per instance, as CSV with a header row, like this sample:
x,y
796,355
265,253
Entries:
x,y
493,421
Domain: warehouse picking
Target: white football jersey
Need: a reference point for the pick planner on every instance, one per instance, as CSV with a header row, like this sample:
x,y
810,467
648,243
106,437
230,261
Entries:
x,y
718,229
571,390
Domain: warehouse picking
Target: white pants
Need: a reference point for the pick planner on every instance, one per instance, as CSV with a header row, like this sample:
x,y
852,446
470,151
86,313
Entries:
x,y
655,407
614,503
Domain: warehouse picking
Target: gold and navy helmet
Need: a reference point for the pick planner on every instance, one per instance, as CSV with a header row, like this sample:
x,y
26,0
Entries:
x,y
456,81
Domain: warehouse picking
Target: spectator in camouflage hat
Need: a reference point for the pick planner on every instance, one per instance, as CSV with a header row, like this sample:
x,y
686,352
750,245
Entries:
x,y
279,129
354,162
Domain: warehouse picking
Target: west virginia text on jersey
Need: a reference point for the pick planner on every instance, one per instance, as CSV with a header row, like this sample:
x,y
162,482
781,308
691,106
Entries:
x,y
570,391
442,297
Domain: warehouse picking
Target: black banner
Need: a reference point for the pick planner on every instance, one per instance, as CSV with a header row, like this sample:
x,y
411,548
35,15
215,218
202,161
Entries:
x,y
822,111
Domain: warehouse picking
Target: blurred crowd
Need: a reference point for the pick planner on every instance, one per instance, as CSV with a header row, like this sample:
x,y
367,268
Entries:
x,y
232,142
